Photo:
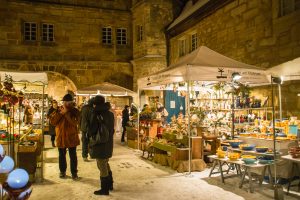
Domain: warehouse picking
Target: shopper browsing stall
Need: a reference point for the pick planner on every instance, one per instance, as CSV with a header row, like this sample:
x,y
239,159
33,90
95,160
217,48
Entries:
x,y
52,133
125,120
66,121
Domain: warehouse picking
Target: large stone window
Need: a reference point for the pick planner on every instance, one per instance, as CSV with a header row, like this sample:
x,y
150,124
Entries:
x,y
289,6
107,35
48,32
139,33
194,41
121,36
182,47
30,31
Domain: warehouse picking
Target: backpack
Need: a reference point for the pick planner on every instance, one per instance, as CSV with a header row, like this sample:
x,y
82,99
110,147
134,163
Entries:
x,y
98,131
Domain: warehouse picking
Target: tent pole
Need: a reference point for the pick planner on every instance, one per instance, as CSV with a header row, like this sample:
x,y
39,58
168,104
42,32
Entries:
x,y
280,102
189,123
43,138
138,119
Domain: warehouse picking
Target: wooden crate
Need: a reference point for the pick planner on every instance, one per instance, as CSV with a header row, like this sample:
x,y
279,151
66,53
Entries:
x,y
181,154
197,147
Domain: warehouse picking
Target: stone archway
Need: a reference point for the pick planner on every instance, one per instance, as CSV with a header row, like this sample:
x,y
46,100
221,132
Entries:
x,y
59,85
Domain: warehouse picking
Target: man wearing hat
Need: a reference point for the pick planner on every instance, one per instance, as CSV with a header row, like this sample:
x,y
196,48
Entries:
x,y
103,151
66,121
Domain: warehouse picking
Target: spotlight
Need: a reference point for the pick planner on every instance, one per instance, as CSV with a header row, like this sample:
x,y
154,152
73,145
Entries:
x,y
236,76
277,80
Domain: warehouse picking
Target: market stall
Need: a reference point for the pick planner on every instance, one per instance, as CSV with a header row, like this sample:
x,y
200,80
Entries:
x,y
22,119
118,97
194,75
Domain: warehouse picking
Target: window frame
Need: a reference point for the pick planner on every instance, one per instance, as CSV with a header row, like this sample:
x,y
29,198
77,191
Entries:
x,y
105,35
30,31
120,38
47,33
194,41
139,33
182,47
288,9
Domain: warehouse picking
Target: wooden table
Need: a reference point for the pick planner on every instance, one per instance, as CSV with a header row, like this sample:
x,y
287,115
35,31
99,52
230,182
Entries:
x,y
295,170
238,164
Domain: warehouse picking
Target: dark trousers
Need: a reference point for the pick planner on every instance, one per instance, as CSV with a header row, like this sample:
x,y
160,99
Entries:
x,y
53,138
85,144
63,161
123,134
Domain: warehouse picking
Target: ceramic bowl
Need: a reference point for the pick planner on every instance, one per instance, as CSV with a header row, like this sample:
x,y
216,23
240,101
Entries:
x,y
234,143
261,149
249,161
247,147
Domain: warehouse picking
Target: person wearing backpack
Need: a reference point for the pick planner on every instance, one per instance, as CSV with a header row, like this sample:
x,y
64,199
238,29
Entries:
x,y
101,130
66,120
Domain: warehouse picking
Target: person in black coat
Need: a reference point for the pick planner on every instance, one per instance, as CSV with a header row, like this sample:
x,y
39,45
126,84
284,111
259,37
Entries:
x,y
52,133
84,125
102,152
125,120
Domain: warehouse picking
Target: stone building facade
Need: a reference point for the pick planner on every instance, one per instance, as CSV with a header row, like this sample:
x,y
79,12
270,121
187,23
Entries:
x,y
143,36
67,37
264,33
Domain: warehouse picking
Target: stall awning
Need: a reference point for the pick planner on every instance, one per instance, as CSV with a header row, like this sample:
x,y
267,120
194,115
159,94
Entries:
x,y
204,64
289,70
106,89
29,77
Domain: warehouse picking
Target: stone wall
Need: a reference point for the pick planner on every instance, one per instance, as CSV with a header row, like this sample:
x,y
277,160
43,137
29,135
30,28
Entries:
x,y
249,31
78,51
290,98
149,55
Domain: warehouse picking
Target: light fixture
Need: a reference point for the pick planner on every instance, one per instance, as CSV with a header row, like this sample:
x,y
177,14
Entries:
x,y
236,76
277,80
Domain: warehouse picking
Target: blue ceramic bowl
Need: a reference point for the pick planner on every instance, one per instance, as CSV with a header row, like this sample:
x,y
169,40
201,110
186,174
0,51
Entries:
x,y
249,161
261,149
248,148
235,144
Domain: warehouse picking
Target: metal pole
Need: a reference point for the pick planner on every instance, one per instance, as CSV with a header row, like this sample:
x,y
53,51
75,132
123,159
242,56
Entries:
x,y
232,115
138,119
43,136
278,190
189,124
273,124
280,102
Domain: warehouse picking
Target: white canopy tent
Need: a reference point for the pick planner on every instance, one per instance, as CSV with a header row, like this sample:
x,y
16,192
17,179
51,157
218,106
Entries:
x,y
105,89
204,64
30,77
289,70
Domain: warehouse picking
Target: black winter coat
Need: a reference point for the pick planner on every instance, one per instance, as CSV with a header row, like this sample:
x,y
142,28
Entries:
x,y
125,117
51,127
105,150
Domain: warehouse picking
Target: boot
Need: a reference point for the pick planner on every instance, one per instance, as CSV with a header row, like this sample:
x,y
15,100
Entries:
x,y
104,186
111,181
53,144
